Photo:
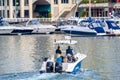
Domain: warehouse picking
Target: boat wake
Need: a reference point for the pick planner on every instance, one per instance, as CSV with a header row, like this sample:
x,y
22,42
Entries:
x,y
84,74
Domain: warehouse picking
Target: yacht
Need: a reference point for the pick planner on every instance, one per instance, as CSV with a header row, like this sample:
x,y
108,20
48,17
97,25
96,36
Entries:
x,y
40,28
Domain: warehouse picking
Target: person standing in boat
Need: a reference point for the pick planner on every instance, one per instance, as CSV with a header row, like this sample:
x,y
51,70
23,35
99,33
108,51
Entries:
x,y
69,51
58,51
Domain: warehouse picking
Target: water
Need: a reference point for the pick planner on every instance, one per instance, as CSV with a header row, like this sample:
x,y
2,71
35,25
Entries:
x,y
20,58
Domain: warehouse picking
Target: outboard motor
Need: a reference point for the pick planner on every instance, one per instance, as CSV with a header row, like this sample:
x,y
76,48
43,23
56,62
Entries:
x,y
49,67
58,67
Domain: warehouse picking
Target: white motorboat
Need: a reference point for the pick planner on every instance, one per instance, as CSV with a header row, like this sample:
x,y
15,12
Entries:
x,y
76,27
51,66
40,28
62,24
6,28
20,29
79,31
111,28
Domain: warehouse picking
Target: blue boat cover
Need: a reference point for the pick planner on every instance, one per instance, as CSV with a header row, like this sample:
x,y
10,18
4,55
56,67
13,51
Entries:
x,y
112,25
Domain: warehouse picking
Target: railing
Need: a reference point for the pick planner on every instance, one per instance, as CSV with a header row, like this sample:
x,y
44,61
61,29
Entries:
x,y
26,19
63,10
34,0
44,20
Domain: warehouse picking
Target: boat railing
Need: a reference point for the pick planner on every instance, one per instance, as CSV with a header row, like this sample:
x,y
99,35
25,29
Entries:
x,y
26,19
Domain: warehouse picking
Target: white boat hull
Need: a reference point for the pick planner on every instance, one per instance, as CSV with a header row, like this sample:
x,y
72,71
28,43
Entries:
x,y
40,28
76,30
43,30
5,31
73,67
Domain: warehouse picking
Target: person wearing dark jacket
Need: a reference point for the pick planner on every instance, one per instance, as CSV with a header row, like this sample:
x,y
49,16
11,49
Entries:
x,y
69,51
58,51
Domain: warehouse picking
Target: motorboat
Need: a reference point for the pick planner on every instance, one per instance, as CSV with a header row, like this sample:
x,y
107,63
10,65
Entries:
x,y
80,29
6,28
40,28
20,29
98,27
111,28
51,66
64,23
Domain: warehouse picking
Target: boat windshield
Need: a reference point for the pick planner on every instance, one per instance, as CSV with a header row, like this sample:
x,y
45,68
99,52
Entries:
x,y
4,23
114,24
96,25
34,22
72,22
84,24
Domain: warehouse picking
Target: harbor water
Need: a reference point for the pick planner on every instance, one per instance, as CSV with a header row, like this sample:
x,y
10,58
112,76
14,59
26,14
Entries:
x,y
21,57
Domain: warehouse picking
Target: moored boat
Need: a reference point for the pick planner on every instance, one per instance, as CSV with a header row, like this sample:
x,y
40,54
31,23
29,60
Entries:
x,y
6,28
112,28
40,28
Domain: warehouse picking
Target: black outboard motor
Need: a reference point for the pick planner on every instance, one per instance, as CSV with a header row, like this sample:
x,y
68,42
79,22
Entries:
x,y
49,67
58,67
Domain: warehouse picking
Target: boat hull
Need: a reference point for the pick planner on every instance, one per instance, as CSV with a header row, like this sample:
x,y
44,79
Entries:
x,y
43,30
22,31
6,31
80,33
67,67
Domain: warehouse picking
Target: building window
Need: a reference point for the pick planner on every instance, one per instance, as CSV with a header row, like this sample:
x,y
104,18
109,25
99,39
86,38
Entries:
x,y
64,1
55,1
7,2
1,2
8,13
16,2
112,1
26,13
26,2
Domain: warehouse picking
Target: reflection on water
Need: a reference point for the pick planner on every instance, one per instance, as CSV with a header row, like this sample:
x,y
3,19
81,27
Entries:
x,y
103,55
23,54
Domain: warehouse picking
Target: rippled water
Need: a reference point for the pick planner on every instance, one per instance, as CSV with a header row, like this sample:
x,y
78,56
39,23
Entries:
x,y
20,57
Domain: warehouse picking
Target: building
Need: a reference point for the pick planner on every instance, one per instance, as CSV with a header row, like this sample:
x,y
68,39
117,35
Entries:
x,y
99,8
16,8
35,8
57,8
54,8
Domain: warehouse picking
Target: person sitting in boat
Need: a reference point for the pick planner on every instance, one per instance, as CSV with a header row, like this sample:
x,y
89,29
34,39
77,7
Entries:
x,y
70,55
59,58
58,52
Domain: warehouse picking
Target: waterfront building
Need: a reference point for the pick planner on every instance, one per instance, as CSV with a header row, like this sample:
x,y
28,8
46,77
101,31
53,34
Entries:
x,y
16,8
99,8
35,8
57,8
